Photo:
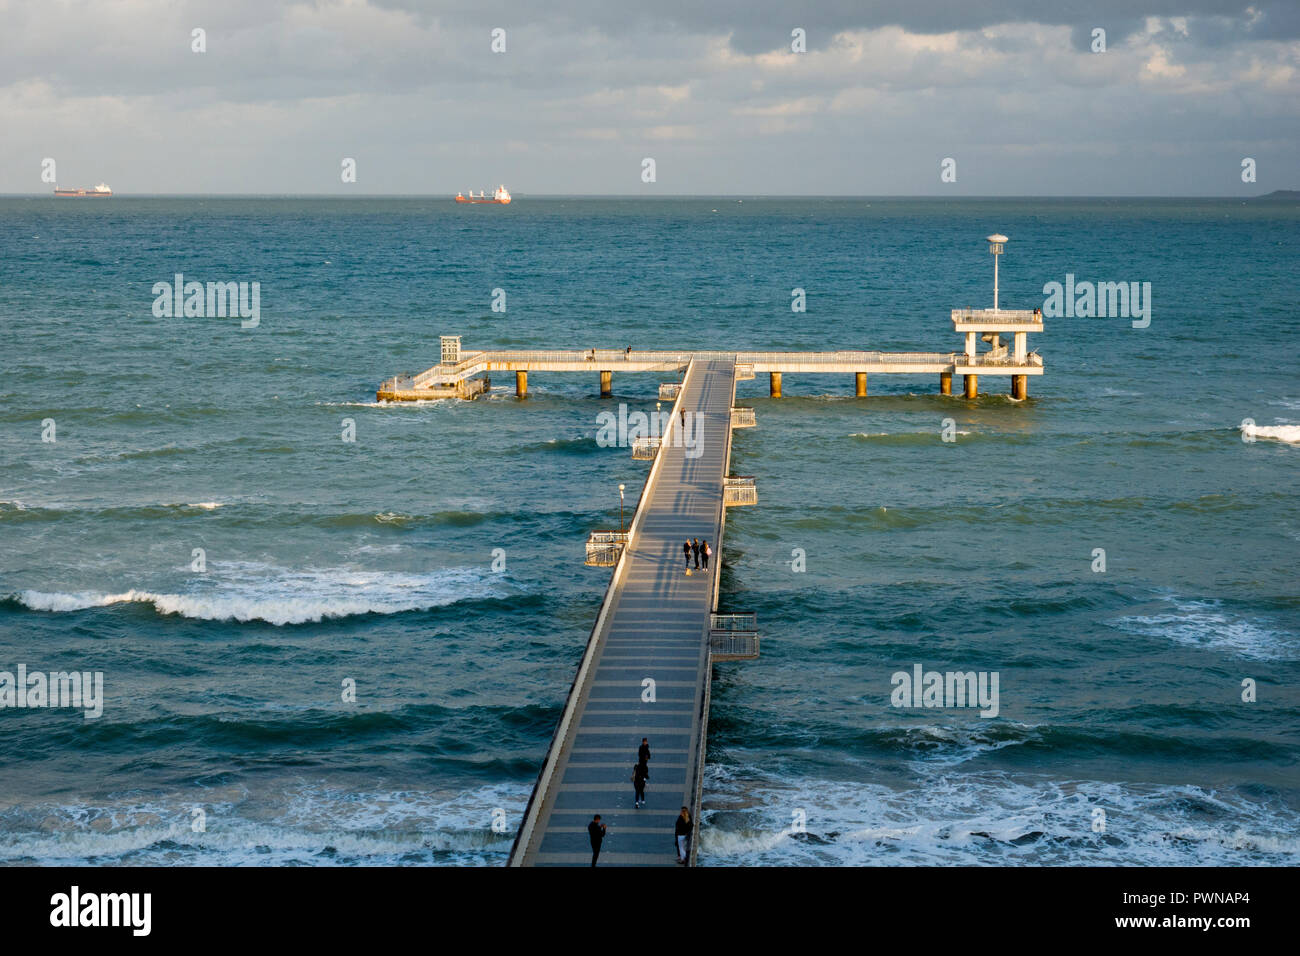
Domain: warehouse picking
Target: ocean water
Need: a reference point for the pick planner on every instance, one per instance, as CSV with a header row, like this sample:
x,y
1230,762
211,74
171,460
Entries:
x,y
371,561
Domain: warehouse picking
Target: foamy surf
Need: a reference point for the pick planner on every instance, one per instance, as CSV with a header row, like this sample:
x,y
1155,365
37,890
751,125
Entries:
x,y
1206,624
310,825
281,596
1286,433
984,820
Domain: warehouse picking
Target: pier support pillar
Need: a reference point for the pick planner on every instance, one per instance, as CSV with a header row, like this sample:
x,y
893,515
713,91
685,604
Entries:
x,y
775,385
1020,387
521,384
945,383
861,384
972,385
606,390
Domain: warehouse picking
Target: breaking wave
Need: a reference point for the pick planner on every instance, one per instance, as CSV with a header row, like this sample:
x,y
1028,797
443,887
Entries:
x,y
282,596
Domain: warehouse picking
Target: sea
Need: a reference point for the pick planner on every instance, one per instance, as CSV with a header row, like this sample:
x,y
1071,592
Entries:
x,y
333,631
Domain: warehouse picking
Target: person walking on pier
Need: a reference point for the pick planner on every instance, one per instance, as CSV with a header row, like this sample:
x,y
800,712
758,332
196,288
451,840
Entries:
x,y
640,774
596,830
705,551
695,550
682,835
643,753
686,549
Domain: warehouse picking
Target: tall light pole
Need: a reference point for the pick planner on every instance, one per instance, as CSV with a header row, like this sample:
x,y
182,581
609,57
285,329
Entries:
x,y
995,247
620,509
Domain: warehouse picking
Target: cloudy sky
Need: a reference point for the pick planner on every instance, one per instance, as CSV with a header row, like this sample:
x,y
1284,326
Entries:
x,y
710,89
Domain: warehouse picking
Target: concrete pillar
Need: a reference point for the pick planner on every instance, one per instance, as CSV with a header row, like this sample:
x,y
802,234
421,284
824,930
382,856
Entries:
x,y
521,384
774,388
1020,387
606,390
1020,348
972,385
861,383
945,383
970,344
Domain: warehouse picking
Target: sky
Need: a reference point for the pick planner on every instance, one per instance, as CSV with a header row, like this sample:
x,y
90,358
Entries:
x,y
1011,91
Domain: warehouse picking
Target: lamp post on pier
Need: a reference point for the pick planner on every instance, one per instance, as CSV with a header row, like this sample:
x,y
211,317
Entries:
x,y
995,246
620,509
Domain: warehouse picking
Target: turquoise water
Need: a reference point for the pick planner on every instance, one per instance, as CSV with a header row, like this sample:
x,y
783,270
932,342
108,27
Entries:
x,y
371,561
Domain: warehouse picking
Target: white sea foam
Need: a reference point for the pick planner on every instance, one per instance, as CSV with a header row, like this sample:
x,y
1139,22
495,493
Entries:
x,y
374,404
887,434
310,824
984,819
1206,624
1286,433
254,592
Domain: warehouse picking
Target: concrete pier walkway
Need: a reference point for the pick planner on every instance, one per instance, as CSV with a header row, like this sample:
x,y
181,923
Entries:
x,y
654,624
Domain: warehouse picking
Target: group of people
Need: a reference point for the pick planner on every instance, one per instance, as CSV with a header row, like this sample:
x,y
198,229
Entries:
x,y
699,550
682,827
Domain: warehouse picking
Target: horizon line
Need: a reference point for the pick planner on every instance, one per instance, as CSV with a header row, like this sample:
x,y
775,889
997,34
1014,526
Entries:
x,y
549,195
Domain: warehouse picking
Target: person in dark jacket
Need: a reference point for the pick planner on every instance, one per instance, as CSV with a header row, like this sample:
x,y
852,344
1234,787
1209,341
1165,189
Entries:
x,y
643,753
686,549
705,551
596,830
695,550
640,774
682,835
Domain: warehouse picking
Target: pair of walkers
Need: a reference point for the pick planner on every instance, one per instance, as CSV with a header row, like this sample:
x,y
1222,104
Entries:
x,y
697,549
682,831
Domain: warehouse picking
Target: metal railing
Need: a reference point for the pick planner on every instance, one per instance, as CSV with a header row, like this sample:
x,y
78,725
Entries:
x,y
645,449
734,621
605,547
1033,359
739,490
742,416
986,316
668,391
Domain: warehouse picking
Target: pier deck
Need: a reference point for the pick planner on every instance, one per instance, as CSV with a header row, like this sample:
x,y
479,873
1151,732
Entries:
x,y
457,379
654,623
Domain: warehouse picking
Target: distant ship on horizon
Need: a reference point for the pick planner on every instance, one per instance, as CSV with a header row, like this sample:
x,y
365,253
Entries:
x,y
501,196
103,191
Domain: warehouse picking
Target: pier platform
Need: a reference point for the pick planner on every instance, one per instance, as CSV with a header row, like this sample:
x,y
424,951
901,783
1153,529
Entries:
x,y
457,375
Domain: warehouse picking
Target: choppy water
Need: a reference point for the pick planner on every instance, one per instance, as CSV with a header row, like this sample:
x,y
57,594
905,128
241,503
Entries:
x,y
371,561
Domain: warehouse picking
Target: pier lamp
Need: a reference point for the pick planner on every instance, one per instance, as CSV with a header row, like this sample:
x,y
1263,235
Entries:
x,y
995,246
620,508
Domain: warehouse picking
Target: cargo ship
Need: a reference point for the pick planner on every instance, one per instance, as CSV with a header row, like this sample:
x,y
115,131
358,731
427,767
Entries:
x,y
501,196
103,190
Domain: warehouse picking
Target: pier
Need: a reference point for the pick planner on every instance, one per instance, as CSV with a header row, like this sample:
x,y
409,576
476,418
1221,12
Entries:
x,y
657,625
466,375
647,665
